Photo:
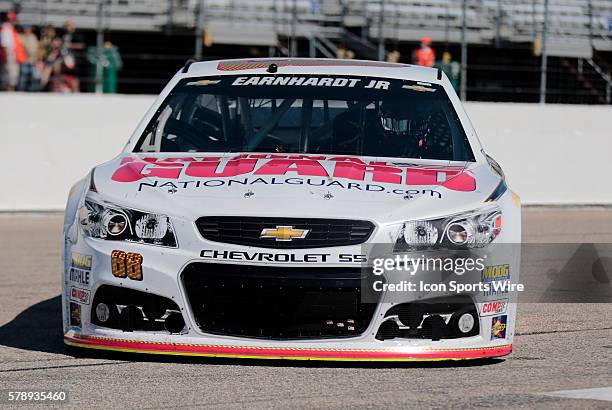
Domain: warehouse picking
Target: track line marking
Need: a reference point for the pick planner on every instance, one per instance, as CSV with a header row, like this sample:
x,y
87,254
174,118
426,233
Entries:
x,y
61,367
600,393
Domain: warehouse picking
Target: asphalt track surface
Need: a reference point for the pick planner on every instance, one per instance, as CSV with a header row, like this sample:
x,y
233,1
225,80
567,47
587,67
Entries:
x,y
559,347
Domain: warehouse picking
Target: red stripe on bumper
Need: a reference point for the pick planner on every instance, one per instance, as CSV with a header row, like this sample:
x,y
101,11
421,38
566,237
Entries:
x,y
285,353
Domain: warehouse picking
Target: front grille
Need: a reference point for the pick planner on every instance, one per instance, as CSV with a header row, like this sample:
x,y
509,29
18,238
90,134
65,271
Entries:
x,y
131,309
434,319
240,230
276,302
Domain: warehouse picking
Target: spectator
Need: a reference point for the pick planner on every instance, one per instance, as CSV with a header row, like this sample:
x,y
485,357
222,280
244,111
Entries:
x,y
47,34
424,55
72,40
393,56
451,68
29,72
342,52
111,63
12,53
56,69
3,69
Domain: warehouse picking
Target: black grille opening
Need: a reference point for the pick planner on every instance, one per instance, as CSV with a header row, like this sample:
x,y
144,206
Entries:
x,y
241,230
133,310
276,302
435,319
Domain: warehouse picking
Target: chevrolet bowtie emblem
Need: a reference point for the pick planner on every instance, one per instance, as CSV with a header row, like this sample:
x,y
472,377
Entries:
x,y
284,233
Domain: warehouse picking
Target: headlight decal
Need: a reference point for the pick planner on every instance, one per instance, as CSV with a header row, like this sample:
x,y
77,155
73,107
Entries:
x,y
152,226
422,233
474,231
467,230
110,222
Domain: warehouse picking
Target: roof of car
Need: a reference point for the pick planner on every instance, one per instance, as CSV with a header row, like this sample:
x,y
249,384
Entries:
x,y
323,66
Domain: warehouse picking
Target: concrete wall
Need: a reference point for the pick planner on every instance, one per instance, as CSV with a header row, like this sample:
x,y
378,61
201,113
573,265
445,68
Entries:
x,y
554,154
50,141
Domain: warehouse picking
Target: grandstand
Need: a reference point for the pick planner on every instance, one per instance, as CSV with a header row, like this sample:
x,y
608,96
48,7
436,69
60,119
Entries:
x,y
500,34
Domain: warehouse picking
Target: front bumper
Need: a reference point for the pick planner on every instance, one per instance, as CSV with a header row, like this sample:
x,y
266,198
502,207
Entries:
x,y
162,270
189,346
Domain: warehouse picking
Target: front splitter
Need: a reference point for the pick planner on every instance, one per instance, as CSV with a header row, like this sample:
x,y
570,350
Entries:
x,y
285,353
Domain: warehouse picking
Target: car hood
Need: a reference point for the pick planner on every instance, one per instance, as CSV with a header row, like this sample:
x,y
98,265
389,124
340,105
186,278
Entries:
x,y
323,186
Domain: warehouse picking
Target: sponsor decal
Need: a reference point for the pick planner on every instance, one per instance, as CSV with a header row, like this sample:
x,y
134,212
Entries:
x,y
80,261
79,295
495,273
276,169
494,307
175,186
311,82
126,264
284,233
80,269
204,82
281,257
419,88
498,327
75,314
79,276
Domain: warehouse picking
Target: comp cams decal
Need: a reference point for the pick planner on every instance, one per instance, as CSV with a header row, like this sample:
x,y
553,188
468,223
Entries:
x,y
493,307
271,169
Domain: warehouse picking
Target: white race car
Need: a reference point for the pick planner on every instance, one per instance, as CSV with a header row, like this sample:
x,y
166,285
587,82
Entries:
x,y
246,215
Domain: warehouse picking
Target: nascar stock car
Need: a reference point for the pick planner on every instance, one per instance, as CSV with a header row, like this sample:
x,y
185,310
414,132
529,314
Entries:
x,y
239,217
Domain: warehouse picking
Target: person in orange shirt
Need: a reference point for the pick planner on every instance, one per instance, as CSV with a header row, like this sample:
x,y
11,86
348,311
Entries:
x,y
424,55
12,53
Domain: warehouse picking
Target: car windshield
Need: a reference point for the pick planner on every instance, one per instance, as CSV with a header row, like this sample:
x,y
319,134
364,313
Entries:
x,y
366,116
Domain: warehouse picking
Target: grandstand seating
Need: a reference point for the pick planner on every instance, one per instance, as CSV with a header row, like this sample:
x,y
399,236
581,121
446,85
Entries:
x,y
501,65
570,23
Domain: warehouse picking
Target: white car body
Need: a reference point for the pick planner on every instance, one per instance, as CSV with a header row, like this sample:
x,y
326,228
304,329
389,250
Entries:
x,y
158,183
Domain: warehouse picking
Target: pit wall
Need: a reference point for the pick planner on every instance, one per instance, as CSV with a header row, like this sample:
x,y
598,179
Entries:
x,y
551,154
